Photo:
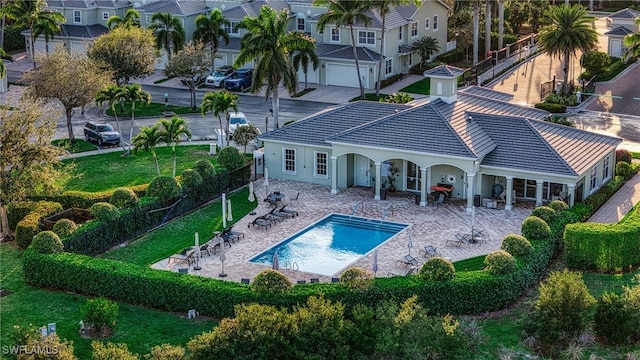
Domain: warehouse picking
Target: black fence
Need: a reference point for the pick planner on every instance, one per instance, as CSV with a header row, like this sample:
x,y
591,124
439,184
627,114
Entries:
x,y
137,221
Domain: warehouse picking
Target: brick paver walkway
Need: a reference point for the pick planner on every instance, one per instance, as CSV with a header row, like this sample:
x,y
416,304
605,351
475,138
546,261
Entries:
x,y
619,204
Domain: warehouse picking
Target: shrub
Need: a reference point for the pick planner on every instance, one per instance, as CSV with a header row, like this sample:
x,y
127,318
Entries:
x,y
623,169
64,227
612,319
166,352
552,108
558,206
595,62
624,155
534,228
99,313
16,211
562,308
190,178
164,187
230,158
271,282
47,242
356,278
29,226
26,341
437,269
205,168
124,198
499,263
110,351
104,212
516,245
545,213
398,98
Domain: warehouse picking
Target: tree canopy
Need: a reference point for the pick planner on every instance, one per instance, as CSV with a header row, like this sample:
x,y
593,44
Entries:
x,y
191,65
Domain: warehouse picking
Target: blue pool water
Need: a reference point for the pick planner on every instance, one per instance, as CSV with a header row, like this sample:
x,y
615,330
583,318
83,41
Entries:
x,y
331,244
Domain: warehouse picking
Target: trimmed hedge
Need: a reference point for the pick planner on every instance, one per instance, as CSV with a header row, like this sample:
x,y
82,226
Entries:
x,y
16,211
552,108
29,226
84,200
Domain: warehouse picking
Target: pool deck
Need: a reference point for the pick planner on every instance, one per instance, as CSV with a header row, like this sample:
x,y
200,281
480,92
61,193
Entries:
x,y
429,226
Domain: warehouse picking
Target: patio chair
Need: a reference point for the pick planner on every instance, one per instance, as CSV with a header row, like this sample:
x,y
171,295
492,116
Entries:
x,y
482,235
294,198
409,260
429,251
185,255
440,200
263,223
460,240
410,271
283,214
231,236
274,219
287,211
204,249
244,281
214,247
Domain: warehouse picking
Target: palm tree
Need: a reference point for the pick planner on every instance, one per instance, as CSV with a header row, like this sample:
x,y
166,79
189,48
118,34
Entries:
x,y
3,67
131,19
148,138
346,13
384,7
568,30
210,29
632,42
268,41
169,32
27,13
48,28
302,58
132,94
220,103
487,27
112,95
476,29
500,24
426,46
171,132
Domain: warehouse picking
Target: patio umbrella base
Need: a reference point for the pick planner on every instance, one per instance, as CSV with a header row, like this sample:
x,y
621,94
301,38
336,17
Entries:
x,y
197,267
222,275
252,213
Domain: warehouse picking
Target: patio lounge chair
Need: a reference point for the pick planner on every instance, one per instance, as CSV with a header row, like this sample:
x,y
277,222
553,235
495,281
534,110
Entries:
x,y
410,271
186,255
283,214
260,221
460,240
231,236
409,261
287,211
429,251
205,249
440,200
279,214
274,219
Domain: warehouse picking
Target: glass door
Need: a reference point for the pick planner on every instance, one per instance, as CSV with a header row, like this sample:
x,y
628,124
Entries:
x,y
413,177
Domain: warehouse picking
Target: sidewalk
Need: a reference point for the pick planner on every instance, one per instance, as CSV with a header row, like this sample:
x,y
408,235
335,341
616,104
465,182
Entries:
x,y
619,204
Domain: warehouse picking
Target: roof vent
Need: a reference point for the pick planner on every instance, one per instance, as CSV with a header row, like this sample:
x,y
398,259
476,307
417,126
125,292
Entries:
x,y
396,111
469,118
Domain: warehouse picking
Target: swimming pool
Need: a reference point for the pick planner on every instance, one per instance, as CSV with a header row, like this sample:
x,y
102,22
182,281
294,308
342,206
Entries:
x,y
331,244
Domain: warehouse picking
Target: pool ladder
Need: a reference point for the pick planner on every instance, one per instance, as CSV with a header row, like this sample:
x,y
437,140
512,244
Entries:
x,y
384,215
355,209
292,266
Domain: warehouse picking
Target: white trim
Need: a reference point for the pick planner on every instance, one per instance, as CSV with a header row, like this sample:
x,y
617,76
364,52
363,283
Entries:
x,y
426,23
105,15
147,18
411,28
79,13
284,161
436,19
334,31
593,179
367,38
316,163
231,28
606,164
388,66
304,23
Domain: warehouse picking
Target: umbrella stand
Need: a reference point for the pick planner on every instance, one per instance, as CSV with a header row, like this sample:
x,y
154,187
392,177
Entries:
x,y
222,258
197,267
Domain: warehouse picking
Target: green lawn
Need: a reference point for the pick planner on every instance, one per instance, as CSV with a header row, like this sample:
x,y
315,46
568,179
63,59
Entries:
x,y
473,264
179,233
111,170
153,109
77,146
370,97
139,327
418,87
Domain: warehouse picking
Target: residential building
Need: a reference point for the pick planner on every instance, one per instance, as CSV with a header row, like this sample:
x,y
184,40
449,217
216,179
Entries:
x,y
621,23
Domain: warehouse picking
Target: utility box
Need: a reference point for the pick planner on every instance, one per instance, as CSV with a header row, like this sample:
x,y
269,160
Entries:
x,y
258,162
212,149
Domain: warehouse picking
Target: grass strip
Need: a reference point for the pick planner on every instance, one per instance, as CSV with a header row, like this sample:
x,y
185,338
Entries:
x,y
153,109
77,146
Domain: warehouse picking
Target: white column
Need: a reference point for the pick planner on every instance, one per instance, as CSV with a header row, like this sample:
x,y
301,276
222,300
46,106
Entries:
x,y
508,205
334,175
378,182
423,186
471,178
571,193
539,184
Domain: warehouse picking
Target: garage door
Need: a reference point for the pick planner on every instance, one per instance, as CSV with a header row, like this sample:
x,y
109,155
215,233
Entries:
x,y
346,75
312,75
79,47
220,60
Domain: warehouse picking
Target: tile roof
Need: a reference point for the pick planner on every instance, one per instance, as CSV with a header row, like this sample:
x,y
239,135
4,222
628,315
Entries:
x,y
625,14
486,92
175,7
252,8
444,70
83,31
345,52
619,31
405,49
395,18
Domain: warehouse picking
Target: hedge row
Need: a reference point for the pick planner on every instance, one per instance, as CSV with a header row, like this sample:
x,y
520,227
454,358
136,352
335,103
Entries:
x,y
471,292
29,226
16,211
84,200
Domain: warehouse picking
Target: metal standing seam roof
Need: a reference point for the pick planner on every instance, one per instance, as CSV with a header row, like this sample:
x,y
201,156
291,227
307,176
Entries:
x,y
486,92
444,71
345,52
619,31
175,7
626,13
252,9
81,31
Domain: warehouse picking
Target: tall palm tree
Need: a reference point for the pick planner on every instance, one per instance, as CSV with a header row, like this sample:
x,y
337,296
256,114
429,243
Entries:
x,y
500,24
568,30
632,42
210,29
169,32
346,13
171,132
476,30
426,46
383,7
131,19
269,42
133,94
487,28
27,13
148,138
304,58
220,103
47,28
112,95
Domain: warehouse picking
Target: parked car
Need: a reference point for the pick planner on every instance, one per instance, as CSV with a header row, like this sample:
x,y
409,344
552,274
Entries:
x,y
217,77
101,133
236,119
239,80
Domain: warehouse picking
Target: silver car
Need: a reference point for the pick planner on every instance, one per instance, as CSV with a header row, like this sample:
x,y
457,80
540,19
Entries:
x,y
216,78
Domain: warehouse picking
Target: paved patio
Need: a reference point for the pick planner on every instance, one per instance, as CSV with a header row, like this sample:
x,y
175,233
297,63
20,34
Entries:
x,y
430,226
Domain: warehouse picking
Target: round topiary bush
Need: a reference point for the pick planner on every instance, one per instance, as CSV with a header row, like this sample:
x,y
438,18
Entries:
x,y
47,242
231,158
205,168
164,187
612,319
558,206
534,228
190,178
64,227
500,262
356,278
545,213
271,282
99,313
124,198
624,155
438,269
623,169
103,211
516,245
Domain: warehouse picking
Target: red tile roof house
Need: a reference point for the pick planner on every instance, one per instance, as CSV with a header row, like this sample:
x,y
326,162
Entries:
x,y
471,139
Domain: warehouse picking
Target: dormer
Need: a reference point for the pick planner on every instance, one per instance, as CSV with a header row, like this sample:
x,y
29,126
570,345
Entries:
x,y
444,82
